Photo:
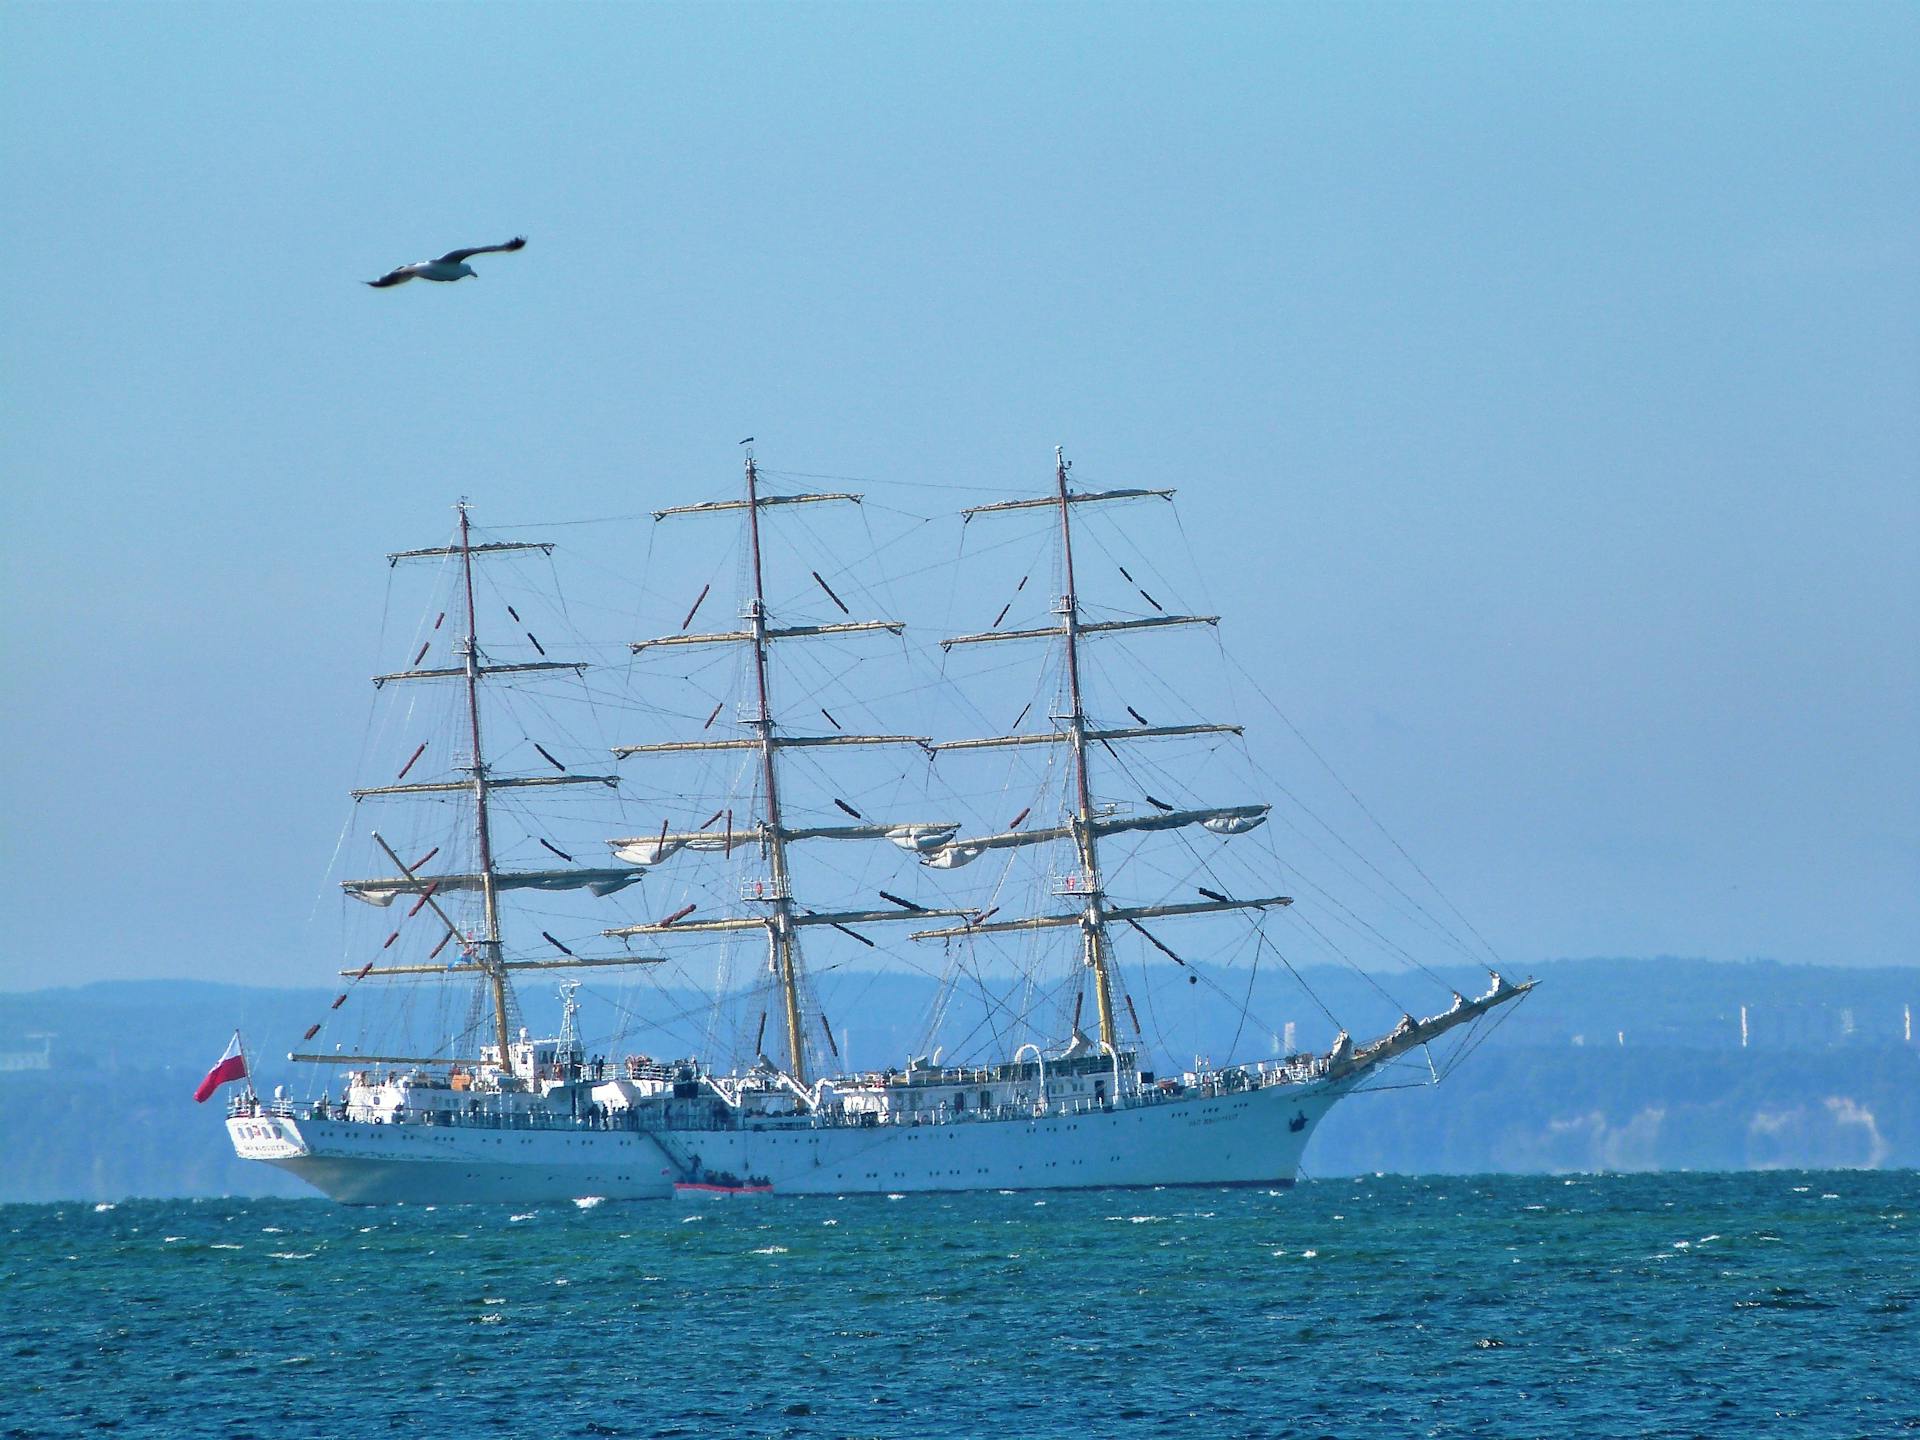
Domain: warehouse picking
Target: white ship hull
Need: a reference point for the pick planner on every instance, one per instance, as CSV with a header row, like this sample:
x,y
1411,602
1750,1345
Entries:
x,y
362,1164
1251,1137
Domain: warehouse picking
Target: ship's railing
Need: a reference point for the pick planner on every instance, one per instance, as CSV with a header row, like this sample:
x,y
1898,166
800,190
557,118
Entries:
x,y
681,1116
252,1107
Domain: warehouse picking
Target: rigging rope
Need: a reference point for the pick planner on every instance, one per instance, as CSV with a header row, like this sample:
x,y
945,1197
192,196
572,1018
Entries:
x,y
1361,806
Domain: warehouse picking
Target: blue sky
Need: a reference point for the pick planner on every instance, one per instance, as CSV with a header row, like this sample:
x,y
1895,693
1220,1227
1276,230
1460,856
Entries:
x,y
1539,382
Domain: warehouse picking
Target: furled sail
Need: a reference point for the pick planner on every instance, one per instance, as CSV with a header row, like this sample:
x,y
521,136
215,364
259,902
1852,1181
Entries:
x,y
952,857
918,838
1065,737
599,882
1221,820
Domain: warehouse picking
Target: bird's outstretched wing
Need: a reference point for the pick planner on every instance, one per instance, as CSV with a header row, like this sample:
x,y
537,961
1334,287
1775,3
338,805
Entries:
x,y
454,257
393,277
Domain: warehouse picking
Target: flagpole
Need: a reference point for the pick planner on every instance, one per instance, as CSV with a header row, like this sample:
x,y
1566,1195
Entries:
x,y
246,1060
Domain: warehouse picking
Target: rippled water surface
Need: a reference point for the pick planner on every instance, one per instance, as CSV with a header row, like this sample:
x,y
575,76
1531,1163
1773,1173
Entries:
x,y
1777,1304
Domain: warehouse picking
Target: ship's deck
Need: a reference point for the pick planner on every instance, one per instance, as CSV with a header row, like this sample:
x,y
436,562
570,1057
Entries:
x,y
710,1112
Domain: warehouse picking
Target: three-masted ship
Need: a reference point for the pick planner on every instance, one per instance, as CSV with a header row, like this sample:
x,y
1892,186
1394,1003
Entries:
x,y
527,1119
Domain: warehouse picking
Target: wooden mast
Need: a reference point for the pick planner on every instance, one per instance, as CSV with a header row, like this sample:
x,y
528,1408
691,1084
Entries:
x,y
785,918
1092,921
780,941
484,950
489,946
1084,826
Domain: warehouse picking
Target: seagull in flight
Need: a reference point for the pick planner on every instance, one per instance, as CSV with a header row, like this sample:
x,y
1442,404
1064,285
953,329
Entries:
x,y
450,266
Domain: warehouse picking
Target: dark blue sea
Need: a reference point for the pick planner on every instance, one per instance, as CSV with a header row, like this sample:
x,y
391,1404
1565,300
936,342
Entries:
x,y
1776,1304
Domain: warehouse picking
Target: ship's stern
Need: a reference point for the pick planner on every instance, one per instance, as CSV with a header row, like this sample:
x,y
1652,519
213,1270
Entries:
x,y
266,1137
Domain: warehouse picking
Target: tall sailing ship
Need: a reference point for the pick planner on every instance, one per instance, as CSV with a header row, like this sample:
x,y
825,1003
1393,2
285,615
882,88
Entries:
x,y
482,1110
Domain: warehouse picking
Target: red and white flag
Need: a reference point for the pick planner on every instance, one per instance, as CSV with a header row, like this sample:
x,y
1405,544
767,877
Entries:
x,y
232,1066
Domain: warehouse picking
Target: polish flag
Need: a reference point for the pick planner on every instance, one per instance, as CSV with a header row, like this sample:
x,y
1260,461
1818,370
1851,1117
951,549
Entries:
x,y
232,1066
